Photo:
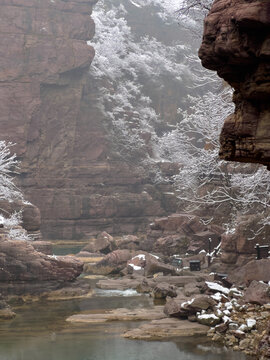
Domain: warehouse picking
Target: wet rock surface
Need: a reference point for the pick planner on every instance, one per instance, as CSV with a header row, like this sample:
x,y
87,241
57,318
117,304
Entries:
x,y
166,328
120,314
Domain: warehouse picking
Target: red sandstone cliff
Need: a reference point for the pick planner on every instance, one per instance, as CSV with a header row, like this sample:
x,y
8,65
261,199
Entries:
x,y
49,109
236,43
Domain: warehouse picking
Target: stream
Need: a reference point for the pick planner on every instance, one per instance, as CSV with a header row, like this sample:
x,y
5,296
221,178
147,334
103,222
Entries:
x,y
40,332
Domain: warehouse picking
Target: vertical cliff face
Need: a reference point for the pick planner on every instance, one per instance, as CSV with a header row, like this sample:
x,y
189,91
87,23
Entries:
x,y
48,108
236,43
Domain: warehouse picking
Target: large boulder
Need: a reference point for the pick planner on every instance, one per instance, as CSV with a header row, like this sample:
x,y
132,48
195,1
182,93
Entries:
x,y
112,263
184,309
254,270
130,242
23,269
154,266
181,233
173,308
257,293
103,243
172,244
162,290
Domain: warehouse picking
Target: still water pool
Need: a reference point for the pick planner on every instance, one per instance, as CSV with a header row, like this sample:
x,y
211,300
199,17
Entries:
x,y
40,332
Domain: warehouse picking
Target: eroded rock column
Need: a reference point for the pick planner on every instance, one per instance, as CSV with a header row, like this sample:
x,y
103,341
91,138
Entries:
x,y
236,43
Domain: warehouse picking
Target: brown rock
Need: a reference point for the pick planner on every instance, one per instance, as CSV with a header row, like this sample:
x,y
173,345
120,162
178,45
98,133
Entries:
x,y
173,308
254,270
154,266
121,314
236,45
103,243
239,247
112,263
257,293
48,108
191,289
203,302
166,328
44,247
118,284
172,244
222,328
162,290
24,269
130,242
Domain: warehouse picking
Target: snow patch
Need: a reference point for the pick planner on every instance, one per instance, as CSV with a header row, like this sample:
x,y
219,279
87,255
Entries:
x,y
217,287
251,323
140,257
135,267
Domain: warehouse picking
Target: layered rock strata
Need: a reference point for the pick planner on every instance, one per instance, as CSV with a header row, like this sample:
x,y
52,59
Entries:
x,y
49,108
236,43
24,270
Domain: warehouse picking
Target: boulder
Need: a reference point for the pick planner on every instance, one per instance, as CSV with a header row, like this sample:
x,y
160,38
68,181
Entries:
x,y
202,302
184,309
112,263
103,243
172,244
6,312
191,289
23,269
146,286
254,270
162,290
130,242
208,319
238,247
257,293
173,308
154,266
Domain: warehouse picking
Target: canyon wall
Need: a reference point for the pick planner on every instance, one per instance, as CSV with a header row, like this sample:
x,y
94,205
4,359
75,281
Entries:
x,y
236,43
48,107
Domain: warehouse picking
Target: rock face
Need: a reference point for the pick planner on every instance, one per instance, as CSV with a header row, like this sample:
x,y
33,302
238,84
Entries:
x,y
236,43
181,233
239,247
23,269
48,107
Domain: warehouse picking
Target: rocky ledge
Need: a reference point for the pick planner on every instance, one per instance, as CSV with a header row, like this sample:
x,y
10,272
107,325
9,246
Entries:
x,y
236,43
24,270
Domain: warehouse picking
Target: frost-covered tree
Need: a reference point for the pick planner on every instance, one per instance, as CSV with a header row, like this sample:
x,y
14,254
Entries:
x,y
129,63
10,193
204,180
8,164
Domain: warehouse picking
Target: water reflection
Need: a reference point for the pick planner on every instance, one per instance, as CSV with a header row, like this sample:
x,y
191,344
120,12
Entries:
x,y
40,332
